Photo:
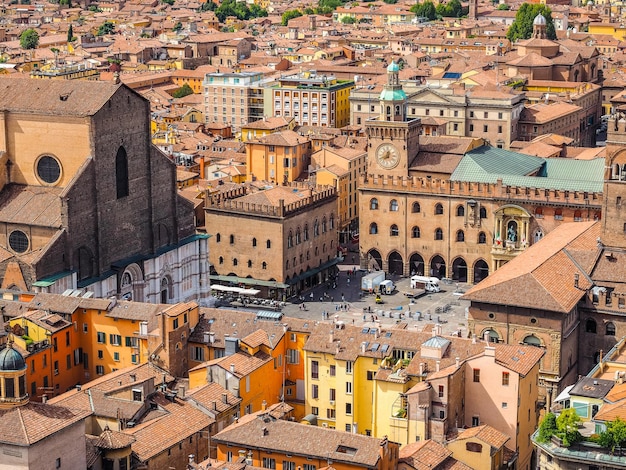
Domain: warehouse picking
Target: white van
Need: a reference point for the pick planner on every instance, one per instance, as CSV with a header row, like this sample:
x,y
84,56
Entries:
x,y
429,284
387,287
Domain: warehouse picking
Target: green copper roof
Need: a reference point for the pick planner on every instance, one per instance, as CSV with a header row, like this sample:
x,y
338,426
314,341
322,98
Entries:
x,y
488,164
393,95
393,67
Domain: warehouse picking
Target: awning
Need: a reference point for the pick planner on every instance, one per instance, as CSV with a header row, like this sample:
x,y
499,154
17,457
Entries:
x,y
248,281
238,290
269,315
564,395
313,271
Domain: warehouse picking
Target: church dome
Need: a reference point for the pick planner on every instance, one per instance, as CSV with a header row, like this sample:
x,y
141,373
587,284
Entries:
x,y
540,20
393,67
11,360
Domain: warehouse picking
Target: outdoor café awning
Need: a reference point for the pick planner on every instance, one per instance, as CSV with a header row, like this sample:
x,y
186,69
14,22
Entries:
x,y
238,290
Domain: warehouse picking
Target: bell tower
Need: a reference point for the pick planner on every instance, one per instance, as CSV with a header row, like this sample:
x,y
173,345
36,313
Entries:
x,y
614,197
393,139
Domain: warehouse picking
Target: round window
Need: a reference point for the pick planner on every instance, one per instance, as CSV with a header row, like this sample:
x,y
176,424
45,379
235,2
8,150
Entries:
x,y
48,169
18,241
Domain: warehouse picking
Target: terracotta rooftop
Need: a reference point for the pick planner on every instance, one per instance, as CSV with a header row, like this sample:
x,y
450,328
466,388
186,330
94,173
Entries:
x,y
286,437
424,455
543,276
487,434
27,424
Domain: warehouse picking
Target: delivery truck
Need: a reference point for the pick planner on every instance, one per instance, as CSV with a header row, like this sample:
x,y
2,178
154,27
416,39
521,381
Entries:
x,y
429,284
387,287
371,281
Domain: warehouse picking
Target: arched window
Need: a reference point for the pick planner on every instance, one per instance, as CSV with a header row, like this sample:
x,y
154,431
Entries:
x,y
438,234
235,262
221,260
438,209
558,214
373,228
532,340
482,238
249,263
374,204
264,265
290,239
393,205
287,265
460,236
538,235
460,211
610,329
306,232
316,228
268,244
232,239
483,213
121,173
218,237
578,215
298,237
493,337
254,242
331,221
416,207
394,232
324,229
590,326
415,232
539,212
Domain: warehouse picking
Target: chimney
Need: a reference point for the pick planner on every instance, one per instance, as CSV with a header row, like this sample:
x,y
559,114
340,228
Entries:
x,y
264,405
44,398
421,368
181,391
576,280
458,361
363,346
490,351
191,459
473,339
225,398
232,368
331,337
133,377
437,364
486,336
214,405
434,331
249,458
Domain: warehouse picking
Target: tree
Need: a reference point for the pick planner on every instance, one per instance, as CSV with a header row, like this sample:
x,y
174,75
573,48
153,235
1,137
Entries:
x,y
425,10
522,27
208,6
106,28
547,428
567,425
348,20
29,39
390,1
70,34
182,91
257,12
452,9
289,15
177,27
614,436
503,6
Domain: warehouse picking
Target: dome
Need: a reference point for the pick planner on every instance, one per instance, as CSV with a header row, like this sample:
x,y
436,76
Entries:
x,y
540,20
11,360
393,67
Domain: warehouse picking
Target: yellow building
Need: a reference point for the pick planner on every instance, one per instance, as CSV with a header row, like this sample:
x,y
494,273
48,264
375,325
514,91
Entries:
x,y
281,157
617,30
268,125
480,447
312,99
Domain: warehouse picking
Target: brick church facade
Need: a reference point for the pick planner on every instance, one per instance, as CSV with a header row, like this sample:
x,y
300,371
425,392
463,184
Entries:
x,y
86,201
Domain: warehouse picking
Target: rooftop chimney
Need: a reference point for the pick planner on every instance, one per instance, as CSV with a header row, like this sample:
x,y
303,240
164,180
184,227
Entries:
x,y
133,377
363,346
473,339
214,405
458,361
232,368
576,280
331,337
191,458
225,398
437,364
181,391
264,405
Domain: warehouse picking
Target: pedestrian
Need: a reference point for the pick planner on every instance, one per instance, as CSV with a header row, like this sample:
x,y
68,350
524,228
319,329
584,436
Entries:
x,y
336,307
352,259
342,297
323,314
332,299
311,296
348,281
321,299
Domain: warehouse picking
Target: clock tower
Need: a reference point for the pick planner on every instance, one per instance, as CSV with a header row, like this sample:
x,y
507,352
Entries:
x,y
393,140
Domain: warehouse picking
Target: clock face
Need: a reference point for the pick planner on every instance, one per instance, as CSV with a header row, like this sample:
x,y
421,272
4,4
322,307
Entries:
x,y
387,156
